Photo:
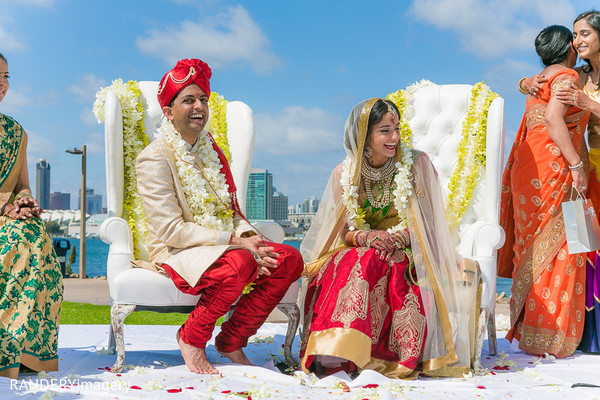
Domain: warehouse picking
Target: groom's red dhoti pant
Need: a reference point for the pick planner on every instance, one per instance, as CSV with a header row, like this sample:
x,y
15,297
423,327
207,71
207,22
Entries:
x,y
222,284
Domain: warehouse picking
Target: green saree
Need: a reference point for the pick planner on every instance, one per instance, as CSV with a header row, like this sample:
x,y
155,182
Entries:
x,y
31,287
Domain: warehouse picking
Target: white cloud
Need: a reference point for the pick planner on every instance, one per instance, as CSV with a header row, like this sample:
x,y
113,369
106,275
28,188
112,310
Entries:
x,y
297,130
222,40
490,29
506,73
39,147
94,143
13,102
42,3
9,41
87,117
85,90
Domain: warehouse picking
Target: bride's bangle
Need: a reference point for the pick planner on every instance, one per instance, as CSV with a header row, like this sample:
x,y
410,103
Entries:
x,y
3,209
576,167
23,194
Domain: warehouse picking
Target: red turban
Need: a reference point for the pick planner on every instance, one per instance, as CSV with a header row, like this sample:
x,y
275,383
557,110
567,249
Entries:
x,y
185,73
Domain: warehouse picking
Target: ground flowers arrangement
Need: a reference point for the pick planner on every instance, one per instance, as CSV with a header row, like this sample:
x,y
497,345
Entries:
x,y
471,150
134,141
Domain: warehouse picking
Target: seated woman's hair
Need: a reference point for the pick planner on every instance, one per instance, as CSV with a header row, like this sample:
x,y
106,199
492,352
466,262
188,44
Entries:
x,y
552,44
380,108
3,58
593,18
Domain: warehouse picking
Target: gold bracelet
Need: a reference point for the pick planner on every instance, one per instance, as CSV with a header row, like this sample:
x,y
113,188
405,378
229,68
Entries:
x,y
520,88
20,195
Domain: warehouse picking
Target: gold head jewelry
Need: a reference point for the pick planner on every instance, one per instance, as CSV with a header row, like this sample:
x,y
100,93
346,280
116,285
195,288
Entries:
x,y
170,76
392,110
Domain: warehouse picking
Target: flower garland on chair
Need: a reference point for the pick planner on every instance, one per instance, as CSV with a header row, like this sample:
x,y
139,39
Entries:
x,y
134,141
217,122
471,158
210,208
471,150
471,155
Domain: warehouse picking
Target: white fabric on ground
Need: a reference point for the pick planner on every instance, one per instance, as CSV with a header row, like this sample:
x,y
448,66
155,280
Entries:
x,y
156,371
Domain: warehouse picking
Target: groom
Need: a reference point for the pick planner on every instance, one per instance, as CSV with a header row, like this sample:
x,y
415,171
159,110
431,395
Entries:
x,y
197,233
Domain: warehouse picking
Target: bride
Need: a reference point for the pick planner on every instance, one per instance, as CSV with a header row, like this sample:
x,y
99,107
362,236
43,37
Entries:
x,y
386,285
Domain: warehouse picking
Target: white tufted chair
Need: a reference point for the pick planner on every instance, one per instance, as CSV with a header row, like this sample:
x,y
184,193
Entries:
x,y
437,130
137,289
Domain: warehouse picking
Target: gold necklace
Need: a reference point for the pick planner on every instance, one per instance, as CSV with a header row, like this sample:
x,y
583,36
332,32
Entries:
x,y
378,180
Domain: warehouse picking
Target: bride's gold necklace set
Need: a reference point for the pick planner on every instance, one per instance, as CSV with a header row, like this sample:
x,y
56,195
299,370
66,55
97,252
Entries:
x,y
378,182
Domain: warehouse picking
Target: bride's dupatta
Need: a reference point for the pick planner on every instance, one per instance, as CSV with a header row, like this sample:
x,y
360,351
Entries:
x,y
449,304
13,142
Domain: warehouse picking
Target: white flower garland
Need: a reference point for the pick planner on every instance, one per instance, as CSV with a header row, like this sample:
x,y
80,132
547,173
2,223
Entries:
x,y
134,140
471,154
403,190
210,209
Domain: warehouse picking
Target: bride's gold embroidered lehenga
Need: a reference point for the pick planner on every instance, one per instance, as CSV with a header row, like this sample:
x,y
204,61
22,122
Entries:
x,y
400,317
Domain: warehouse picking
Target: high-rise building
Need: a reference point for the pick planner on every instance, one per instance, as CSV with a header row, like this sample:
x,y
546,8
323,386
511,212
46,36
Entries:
x,y
279,207
259,195
93,202
60,201
42,183
310,205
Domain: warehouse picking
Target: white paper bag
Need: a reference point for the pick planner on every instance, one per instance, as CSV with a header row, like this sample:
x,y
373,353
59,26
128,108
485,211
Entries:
x,y
581,225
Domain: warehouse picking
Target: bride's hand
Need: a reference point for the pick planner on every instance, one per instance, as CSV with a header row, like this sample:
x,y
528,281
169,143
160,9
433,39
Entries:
x,y
574,96
380,240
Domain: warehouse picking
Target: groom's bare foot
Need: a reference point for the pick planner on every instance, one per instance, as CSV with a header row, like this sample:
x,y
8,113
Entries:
x,y
237,357
195,358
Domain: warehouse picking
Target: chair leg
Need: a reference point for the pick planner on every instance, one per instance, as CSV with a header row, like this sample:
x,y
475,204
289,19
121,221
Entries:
x,y
481,325
292,312
111,340
118,313
491,328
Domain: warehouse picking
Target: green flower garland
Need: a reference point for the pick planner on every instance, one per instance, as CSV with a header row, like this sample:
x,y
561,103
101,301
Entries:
x,y
135,140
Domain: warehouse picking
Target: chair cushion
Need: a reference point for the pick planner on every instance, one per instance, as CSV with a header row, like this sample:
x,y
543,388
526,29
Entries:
x,y
143,287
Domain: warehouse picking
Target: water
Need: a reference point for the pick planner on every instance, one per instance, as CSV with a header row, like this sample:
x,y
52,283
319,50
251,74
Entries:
x,y
97,253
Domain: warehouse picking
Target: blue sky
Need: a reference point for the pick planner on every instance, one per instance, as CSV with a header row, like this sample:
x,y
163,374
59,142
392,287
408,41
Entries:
x,y
300,65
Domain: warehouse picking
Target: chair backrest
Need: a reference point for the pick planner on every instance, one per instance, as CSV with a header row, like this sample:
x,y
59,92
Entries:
x,y
439,112
240,134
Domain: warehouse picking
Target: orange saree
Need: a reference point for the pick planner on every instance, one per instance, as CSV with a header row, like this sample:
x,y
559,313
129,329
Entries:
x,y
548,296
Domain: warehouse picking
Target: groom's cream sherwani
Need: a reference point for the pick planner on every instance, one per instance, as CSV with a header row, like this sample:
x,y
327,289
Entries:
x,y
173,236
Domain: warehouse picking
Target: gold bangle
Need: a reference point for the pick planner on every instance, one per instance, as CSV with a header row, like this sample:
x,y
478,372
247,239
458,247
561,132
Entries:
x,y
20,195
520,88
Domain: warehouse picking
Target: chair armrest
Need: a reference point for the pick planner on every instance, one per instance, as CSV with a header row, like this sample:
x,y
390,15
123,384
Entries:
x,y
481,239
271,230
115,232
480,242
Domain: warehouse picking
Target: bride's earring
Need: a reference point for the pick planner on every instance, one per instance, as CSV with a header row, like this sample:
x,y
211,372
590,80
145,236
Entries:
x,y
368,152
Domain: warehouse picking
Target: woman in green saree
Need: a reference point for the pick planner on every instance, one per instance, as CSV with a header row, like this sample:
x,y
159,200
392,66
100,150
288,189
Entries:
x,y
31,287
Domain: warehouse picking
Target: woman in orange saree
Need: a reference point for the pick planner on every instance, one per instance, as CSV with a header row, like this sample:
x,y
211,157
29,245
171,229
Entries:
x,y
548,158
